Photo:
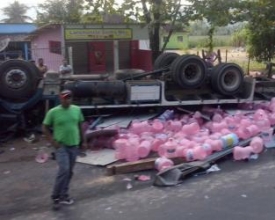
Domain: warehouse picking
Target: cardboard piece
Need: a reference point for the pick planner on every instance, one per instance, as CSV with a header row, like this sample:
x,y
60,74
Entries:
x,y
100,157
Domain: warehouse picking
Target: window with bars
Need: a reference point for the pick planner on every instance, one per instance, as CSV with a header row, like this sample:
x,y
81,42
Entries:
x,y
55,47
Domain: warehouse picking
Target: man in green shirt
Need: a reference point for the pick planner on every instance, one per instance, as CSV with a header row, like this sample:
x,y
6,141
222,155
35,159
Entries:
x,y
64,121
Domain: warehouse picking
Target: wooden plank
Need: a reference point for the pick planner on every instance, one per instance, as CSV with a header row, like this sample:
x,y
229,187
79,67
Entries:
x,y
140,165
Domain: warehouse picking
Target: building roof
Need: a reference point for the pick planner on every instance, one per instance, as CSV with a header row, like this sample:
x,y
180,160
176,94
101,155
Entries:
x,y
41,29
24,28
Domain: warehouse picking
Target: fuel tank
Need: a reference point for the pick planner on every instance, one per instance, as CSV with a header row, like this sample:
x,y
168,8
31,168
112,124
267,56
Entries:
x,y
101,89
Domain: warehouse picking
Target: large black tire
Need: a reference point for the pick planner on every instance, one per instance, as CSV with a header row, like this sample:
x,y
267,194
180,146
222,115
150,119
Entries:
x,y
164,60
18,80
128,73
189,71
227,78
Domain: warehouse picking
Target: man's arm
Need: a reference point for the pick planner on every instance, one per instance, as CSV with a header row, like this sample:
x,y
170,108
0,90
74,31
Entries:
x,y
46,130
83,140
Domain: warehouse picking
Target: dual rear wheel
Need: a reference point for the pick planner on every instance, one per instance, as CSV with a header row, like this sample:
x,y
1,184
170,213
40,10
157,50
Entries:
x,y
190,71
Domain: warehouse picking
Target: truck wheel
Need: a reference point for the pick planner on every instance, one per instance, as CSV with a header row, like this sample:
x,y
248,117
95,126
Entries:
x,y
227,78
189,71
128,73
18,80
165,60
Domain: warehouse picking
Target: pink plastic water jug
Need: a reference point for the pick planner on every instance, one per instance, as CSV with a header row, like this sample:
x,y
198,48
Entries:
x,y
252,130
170,148
267,135
131,149
259,114
174,125
155,144
180,151
241,153
245,122
144,149
163,163
157,126
271,118
218,126
263,123
217,145
207,148
138,127
196,153
217,118
191,129
257,145
120,146
42,155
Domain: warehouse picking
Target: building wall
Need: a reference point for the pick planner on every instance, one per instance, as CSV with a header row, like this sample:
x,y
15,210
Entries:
x,y
40,47
178,41
81,55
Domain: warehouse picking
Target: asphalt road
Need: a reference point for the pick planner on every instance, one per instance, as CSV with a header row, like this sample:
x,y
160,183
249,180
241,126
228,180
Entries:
x,y
240,190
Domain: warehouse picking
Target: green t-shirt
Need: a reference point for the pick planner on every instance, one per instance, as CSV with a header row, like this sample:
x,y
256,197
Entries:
x,y
65,124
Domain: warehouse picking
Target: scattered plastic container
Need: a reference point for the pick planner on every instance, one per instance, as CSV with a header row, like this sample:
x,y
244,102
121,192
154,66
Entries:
x,y
163,163
229,140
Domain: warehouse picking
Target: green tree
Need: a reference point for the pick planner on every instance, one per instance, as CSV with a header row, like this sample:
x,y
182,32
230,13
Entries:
x,y
156,14
261,26
16,13
58,11
240,37
97,10
216,13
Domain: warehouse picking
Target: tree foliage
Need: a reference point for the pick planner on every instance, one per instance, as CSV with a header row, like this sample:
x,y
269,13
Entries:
x,y
58,11
157,14
154,13
216,13
261,26
16,13
98,10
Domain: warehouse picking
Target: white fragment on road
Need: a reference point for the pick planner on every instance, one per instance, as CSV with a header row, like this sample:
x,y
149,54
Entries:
x,y
129,186
206,197
244,196
254,157
213,168
108,208
7,172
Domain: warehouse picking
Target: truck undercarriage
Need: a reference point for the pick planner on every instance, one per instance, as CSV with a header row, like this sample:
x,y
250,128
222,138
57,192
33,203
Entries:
x,y
186,80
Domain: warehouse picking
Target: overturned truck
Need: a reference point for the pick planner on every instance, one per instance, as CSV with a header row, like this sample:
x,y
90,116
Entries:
x,y
176,80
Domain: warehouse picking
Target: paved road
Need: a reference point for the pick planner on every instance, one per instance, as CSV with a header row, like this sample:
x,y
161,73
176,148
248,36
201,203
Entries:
x,y
241,190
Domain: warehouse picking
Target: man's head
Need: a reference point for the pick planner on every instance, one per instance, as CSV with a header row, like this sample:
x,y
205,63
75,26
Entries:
x,y
40,61
65,62
65,98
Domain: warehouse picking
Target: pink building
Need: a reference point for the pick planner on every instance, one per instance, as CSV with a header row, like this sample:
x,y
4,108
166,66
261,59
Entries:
x,y
95,48
46,44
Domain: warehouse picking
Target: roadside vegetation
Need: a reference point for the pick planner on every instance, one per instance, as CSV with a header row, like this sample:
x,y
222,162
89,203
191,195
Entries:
x,y
230,51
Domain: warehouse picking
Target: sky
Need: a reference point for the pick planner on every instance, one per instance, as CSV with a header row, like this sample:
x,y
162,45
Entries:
x,y
29,3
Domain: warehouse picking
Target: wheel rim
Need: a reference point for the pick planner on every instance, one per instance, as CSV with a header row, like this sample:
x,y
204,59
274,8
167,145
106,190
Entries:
x,y
230,80
15,78
192,73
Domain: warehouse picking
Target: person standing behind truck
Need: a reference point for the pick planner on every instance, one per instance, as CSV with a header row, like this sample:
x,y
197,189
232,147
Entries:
x,y
42,67
65,69
65,121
